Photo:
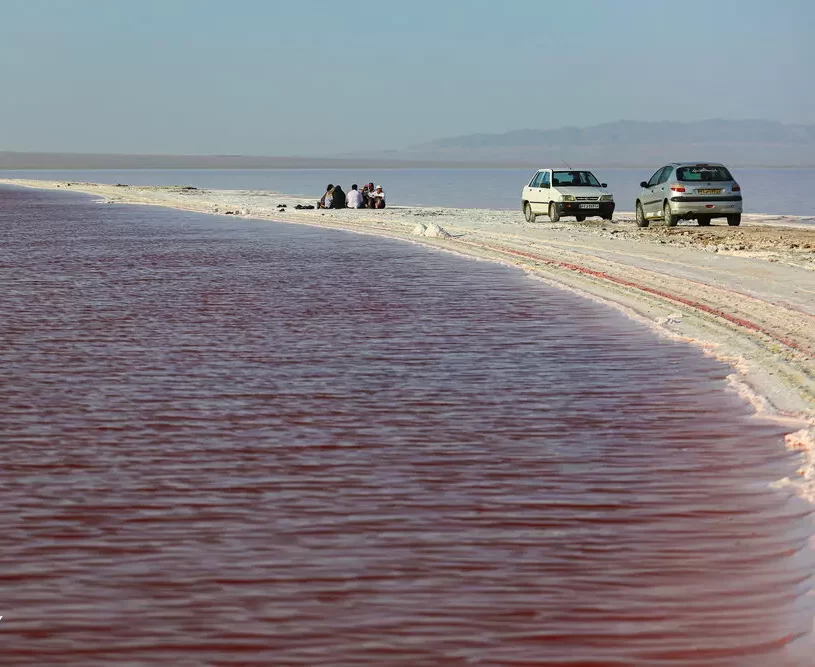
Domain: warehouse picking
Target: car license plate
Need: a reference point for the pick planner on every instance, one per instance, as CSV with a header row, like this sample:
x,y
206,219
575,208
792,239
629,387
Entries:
x,y
709,192
589,205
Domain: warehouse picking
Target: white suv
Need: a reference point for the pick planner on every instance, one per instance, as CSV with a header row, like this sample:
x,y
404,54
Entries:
x,y
559,192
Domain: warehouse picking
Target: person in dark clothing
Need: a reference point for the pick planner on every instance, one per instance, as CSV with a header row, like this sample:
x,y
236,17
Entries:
x,y
339,197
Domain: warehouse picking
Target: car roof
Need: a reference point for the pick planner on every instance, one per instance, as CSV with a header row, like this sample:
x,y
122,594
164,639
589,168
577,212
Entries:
x,y
696,164
563,169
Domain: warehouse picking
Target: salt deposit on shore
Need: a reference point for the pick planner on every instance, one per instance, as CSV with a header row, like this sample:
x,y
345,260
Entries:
x,y
745,295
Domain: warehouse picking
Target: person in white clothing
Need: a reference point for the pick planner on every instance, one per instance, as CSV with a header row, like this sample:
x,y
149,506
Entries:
x,y
354,199
378,197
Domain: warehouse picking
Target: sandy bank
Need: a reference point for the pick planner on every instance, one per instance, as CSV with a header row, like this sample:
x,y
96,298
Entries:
x,y
746,294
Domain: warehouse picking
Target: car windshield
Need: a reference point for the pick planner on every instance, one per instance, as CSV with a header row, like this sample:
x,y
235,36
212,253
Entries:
x,y
576,178
703,172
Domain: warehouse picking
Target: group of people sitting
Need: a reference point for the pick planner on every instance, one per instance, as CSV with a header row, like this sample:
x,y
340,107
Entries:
x,y
369,197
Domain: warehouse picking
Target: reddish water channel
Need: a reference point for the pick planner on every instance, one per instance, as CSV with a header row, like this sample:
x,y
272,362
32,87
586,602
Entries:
x,y
229,442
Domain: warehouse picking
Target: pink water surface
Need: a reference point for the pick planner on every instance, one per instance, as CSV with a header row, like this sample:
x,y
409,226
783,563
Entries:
x,y
229,442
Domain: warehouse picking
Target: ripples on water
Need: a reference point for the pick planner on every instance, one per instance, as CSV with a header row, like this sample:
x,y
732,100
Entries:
x,y
230,442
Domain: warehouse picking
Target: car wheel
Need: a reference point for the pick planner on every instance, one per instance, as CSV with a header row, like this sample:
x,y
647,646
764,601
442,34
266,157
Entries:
x,y
642,221
734,220
703,222
580,218
530,217
607,218
670,218
554,214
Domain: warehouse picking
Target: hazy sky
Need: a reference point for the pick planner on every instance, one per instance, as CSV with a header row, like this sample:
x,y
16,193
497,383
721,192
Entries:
x,y
313,77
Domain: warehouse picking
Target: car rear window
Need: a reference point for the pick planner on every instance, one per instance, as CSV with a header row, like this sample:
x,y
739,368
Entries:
x,y
702,172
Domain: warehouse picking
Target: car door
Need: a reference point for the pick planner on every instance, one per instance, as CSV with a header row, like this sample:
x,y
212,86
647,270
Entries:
x,y
536,193
661,192
650,196
530,190
544,191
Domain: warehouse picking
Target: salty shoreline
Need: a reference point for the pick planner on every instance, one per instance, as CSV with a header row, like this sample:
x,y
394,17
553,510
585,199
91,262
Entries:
x,y
745,295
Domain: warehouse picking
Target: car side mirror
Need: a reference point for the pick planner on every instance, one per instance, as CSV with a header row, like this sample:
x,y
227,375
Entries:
x,y
603,185
643,184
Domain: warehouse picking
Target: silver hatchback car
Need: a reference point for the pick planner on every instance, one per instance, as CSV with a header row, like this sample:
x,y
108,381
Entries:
x,y
697,191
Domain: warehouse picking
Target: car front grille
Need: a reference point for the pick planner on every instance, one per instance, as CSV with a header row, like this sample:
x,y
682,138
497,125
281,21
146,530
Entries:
x,y
587,198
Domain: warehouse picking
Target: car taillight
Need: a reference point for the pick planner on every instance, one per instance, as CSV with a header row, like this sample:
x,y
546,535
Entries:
x,y
736,187
677,188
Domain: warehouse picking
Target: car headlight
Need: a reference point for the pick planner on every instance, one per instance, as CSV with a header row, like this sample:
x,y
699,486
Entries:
x,y
606,197
568,197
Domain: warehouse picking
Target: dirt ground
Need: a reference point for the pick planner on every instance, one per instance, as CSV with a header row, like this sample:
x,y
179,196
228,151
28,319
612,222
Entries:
x,y
790,245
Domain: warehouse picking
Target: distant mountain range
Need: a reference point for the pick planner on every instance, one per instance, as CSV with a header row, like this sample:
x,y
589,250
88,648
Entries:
x,y
739,143
743,142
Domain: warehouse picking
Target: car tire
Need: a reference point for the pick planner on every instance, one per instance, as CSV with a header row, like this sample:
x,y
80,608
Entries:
x,y
554,214
642,221
608,218
530,217
670,218
580,218
734,220
703,222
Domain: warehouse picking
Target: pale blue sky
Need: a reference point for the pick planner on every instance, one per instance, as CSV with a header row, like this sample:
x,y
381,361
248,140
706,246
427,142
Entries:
x,y
313,77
